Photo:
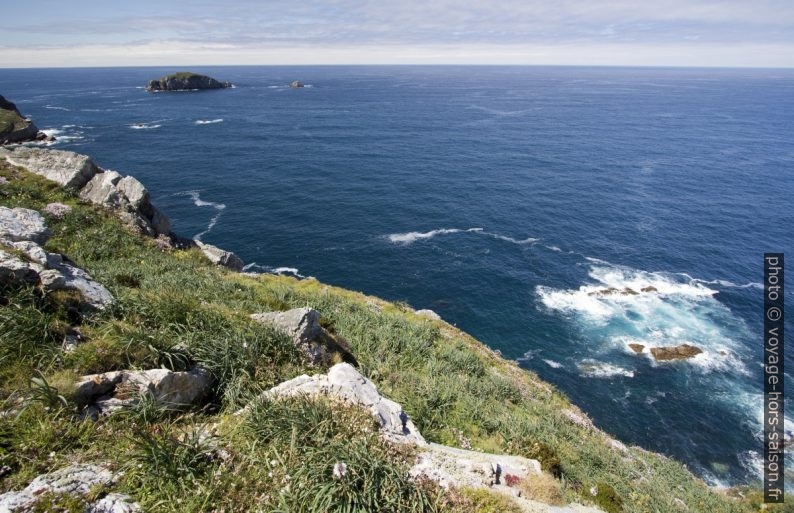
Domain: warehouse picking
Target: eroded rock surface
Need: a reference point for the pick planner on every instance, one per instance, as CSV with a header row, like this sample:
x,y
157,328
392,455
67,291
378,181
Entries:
x,y
680,352
220,257
105,393
67,168
76,479
303,326
22,224
115,503
430,314
344,383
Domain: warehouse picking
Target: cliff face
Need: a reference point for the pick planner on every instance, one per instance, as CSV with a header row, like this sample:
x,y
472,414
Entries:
x,y
14,128
208,386
185,81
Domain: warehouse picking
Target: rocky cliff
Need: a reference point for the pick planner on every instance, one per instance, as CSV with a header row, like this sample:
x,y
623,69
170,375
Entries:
x,y
145,373
185,81
15,128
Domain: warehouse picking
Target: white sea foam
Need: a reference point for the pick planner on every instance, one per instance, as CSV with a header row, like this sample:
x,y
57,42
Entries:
x,y
553,364
595,369
209,121
554,248
196,197
253,267
145,126
411,237
64,134
528,240
55,107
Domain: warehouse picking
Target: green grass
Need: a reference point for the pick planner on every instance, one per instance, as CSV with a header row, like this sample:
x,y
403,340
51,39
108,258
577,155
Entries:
x,y
10,121
175,309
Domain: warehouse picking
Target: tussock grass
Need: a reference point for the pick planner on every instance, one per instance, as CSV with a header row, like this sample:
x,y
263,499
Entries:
x,y
174,309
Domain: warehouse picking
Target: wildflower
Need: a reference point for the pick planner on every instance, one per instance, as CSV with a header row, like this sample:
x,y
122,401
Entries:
x,y
594,491
340,470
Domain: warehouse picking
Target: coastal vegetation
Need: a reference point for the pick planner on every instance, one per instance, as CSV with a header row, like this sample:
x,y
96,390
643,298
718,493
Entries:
x,y
174,309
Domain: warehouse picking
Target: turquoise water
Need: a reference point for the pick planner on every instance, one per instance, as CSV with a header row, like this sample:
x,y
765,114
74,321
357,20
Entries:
x,y
507,199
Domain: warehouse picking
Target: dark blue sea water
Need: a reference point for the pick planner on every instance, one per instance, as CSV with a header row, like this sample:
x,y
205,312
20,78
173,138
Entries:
x,y
504,198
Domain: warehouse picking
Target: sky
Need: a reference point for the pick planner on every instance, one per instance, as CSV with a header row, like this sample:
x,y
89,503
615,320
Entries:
x,y
733,33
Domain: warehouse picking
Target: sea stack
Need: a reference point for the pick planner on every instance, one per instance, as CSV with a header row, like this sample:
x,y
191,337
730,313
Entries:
x,y
15,128
186,81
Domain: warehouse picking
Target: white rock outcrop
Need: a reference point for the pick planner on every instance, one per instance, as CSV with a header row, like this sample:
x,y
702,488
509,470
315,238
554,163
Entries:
x,y
220,256
76,479
344,383
64,167
430,314
22,224
302,325
115,503
102,394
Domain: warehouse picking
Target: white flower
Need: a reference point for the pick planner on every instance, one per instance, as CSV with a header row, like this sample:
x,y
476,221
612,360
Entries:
x,y
594,491
340,470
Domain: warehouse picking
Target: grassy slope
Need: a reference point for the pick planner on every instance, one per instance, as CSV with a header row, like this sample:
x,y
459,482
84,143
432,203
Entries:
x,y
175,307
10,121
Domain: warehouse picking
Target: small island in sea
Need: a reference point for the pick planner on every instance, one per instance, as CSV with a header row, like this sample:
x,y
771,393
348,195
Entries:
x,y
185,81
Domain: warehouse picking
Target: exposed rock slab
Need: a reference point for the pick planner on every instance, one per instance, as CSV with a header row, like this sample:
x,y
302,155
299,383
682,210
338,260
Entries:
x,y
111,391
344,383
680,352
115,503
220,257
15,271
67,168
22,224
302,325
430,314
72,480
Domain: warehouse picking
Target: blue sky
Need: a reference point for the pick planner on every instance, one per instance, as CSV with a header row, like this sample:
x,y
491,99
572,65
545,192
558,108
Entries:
x,y
620,32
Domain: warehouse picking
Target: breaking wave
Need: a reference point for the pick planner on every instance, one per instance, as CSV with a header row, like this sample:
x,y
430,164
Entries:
x,y
196,197
288,271
145,126
594,369
208,121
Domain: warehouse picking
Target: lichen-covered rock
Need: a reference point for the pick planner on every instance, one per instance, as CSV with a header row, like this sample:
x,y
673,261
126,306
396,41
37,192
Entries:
x,y
76,480
302,325
344,383
65,276
67,168
129,198
22,224
15,271
460,468
111,391
115,503
220,257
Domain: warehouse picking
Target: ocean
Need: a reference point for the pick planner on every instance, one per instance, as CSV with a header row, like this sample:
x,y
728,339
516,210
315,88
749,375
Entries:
x,y
510,200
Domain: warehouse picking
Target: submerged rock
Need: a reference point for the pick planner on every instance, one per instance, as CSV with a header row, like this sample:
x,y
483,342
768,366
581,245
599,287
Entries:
x,y
220,256
185,81
22,224
302,325
344,383
105,393
680,352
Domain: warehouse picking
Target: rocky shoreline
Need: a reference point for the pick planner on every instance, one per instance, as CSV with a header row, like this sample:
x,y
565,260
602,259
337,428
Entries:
x,y
15,128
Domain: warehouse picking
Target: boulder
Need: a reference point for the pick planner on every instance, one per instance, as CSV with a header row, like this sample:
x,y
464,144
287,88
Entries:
x,y
129,198
14,127
344,383
78,479
680,352
105,393
15,271
430,314
22,224
185,81
460,468
67,168
220,257
302,325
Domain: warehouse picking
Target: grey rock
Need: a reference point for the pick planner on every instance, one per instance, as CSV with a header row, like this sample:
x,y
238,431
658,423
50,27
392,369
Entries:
x,y
108,392
344,383
302,325
22,224
129,198
220,257
115,503
15,271
65,276
430,314
76,479
67,168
